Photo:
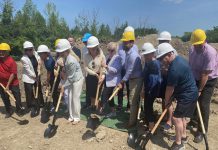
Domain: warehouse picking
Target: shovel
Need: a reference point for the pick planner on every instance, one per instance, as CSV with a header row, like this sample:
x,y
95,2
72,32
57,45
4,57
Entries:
x,y
45,114
52,128
202,126
20,122
94,120
144,138
98,89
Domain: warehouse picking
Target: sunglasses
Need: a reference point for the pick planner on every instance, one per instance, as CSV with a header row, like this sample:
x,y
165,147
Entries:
x,y
28,49
111,50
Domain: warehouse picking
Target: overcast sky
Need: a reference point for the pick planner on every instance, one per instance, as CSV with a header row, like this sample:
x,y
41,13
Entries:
x,y
175,16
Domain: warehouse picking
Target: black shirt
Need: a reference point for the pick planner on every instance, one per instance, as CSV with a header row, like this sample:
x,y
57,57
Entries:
x,y
77,52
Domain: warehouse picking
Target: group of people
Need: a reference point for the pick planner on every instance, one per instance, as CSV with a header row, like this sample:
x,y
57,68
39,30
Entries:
x,y
147,74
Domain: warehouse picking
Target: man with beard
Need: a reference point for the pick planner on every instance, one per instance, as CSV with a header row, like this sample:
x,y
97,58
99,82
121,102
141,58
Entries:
x,y
133,73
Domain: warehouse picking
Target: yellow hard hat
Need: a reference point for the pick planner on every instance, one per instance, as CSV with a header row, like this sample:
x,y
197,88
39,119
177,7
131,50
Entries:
x,y
128,36
5,47
56,42
198,37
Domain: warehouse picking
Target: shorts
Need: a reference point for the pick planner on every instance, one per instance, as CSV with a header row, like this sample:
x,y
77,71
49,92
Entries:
x,y
185,110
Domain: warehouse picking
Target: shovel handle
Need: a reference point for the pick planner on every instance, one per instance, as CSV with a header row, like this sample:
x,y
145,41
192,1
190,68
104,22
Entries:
x,y
10,95
159,120
55,80
114,93
98,89
37,91
59,101
202,126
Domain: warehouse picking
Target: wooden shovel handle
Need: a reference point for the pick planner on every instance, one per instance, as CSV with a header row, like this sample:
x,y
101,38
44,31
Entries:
x,y
55,80
114,93
10,95
159,120
98,89
59,101
200,117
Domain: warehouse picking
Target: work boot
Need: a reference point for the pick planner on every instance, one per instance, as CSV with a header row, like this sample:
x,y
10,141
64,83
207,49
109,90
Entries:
x,y
198,138
34,112
20,112
9,113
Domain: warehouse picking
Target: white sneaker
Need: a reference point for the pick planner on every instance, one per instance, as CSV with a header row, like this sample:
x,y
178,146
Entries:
x,y
70,119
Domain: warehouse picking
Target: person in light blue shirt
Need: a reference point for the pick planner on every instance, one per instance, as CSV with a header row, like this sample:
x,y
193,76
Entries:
x,y
133,73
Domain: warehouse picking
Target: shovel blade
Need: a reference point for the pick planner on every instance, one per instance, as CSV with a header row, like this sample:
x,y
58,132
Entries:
x,y
93,123
50,131
45,116
23,122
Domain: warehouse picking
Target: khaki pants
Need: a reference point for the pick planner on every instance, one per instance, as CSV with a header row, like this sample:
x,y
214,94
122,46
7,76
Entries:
x,y
135,87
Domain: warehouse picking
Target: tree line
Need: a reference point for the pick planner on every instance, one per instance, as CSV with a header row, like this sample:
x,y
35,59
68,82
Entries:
x,y
29,24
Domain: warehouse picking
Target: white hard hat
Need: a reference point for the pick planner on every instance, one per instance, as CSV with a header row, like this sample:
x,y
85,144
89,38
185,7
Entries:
x,y
92,42
129,29
163,49
147,48
43,49
63,45
165,35
27,44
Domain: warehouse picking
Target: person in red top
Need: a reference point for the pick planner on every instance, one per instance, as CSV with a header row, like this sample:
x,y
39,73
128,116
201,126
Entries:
x,y
8,78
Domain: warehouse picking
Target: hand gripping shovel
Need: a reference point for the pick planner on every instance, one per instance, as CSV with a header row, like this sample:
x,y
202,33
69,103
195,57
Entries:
x,y
94,120
52,128
202,126
20,122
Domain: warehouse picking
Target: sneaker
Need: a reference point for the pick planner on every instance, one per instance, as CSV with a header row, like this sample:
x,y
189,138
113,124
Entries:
x,y
177,147
173,139
70,119
198,137
111,115
166,127
9,113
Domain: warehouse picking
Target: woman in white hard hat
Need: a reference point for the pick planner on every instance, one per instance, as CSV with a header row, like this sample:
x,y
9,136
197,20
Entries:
x,y
73,82
152,82
49,62
31,72
113,77
93,61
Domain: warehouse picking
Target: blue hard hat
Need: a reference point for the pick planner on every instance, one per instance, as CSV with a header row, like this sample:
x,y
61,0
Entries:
x,y
86,37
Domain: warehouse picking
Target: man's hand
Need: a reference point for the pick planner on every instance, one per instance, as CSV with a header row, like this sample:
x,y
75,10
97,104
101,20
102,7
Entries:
x,y
120,85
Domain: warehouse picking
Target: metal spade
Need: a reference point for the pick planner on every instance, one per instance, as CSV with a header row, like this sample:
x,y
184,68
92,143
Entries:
x,y
52,128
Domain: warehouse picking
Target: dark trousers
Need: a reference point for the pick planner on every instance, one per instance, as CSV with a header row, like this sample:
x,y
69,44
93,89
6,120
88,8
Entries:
x,y
204,102
5,97
30,99
148,105
88,99
120,93
107,92
56,93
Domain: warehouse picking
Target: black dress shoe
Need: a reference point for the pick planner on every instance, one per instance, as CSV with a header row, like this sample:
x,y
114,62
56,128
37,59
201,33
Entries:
x,y
9,113
34,112
20,112
198,138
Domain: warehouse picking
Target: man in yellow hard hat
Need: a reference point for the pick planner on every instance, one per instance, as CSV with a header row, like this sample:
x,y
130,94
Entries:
x,y
133,73
9,80
203,59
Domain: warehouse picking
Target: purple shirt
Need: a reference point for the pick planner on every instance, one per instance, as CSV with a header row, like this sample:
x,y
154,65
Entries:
x,y
207,60
132,65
